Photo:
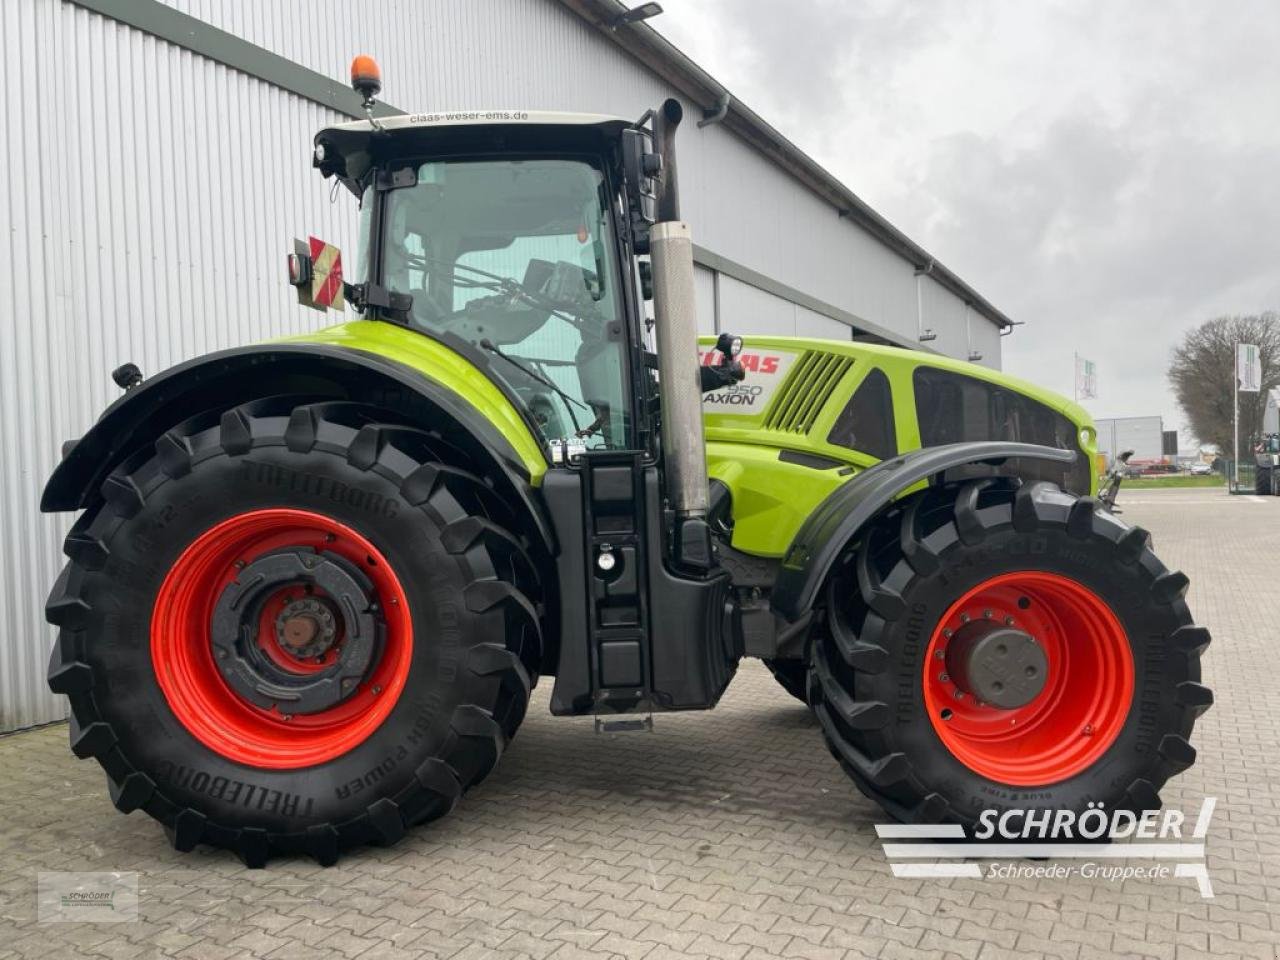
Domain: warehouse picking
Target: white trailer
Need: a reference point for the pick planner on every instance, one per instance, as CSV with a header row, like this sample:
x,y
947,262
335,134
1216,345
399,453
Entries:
x,y
1143,435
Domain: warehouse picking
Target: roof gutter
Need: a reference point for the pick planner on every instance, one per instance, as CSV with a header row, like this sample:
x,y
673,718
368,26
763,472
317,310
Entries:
x,y
660,56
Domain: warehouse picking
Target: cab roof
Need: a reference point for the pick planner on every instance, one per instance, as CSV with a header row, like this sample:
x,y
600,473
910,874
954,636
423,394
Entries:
x,y
456,118
349,150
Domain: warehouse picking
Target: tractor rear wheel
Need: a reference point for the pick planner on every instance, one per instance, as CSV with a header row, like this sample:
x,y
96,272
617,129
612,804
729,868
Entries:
x,y
294,629
1263,484
990,645
792,676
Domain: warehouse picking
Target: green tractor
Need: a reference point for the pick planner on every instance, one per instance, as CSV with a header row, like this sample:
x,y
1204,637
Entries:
x,y
314,580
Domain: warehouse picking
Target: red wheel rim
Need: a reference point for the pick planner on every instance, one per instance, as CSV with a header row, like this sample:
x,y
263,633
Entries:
x,y
208,707
1083,705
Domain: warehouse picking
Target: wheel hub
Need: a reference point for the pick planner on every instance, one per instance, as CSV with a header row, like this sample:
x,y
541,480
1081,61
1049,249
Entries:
x,y
998,665
307,628
276,636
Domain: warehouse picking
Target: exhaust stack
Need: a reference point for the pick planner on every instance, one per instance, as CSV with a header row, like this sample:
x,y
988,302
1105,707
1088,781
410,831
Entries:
x,y
679,385
680,389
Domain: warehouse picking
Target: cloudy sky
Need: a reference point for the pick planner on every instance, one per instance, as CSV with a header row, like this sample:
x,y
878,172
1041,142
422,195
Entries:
x,y
1107,172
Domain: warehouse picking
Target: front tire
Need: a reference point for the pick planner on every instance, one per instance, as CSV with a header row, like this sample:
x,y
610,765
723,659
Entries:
x,y
1108,720
294,629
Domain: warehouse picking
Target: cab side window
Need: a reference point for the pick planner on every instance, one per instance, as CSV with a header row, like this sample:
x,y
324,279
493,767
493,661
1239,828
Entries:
x,y
866,423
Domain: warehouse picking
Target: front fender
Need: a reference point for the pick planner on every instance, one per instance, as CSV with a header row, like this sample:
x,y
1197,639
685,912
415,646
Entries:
x,y
839,517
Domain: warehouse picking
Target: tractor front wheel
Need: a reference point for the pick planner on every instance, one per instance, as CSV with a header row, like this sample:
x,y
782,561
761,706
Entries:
x,y
294,628
996,646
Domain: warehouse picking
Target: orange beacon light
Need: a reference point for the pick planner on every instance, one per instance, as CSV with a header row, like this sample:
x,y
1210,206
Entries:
x,y
366,78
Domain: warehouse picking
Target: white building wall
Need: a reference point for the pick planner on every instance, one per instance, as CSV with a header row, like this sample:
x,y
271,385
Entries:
x,y
152,194
704,292
148,221
985,339
810,323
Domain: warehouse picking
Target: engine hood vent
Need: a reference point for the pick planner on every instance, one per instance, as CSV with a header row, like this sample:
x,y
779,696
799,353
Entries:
x,y
806,391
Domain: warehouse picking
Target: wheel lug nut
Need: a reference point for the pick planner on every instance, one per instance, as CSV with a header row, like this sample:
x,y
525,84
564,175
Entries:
x,y
986,614
1008,621
959,694
947,633
964,618
944,678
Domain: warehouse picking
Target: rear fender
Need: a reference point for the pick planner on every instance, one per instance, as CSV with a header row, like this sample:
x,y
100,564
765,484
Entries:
x,y
821,539
222,380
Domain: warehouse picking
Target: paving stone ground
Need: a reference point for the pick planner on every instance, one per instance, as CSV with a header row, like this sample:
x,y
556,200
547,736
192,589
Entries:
x,y
730,834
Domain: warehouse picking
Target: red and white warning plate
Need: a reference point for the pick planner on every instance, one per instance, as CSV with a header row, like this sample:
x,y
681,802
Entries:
x,y
326,274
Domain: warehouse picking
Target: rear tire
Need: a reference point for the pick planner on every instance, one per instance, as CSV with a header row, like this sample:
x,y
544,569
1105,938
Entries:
x,y
448,677
1263,485
888,603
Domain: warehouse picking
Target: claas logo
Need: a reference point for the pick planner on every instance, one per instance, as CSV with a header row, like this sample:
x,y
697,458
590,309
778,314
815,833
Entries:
x,y
751,362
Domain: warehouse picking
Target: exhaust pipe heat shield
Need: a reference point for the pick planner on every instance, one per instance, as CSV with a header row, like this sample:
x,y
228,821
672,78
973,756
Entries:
x,y
679,384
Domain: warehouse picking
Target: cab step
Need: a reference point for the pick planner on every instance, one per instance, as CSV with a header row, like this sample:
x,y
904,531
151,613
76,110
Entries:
x,y
624,725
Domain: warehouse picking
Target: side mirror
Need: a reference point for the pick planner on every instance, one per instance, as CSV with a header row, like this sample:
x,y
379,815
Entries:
x,y
640,167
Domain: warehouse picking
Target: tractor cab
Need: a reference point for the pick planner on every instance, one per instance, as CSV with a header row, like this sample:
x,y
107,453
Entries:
x,y
498,234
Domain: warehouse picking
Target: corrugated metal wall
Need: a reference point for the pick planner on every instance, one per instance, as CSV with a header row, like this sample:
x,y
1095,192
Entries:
x,y
33,404
151,195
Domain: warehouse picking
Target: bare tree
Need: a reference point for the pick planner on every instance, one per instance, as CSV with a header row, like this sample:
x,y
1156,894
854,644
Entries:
x,y
1202,375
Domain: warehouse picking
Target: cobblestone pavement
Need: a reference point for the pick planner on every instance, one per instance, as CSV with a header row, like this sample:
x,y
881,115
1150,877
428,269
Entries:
x,y
726,835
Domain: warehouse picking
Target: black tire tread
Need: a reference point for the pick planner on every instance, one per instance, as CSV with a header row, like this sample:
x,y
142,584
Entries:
x,y
448,492
849,724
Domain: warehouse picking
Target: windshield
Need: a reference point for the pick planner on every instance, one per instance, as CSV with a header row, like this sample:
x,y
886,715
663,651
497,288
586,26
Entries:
x,y
517,258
